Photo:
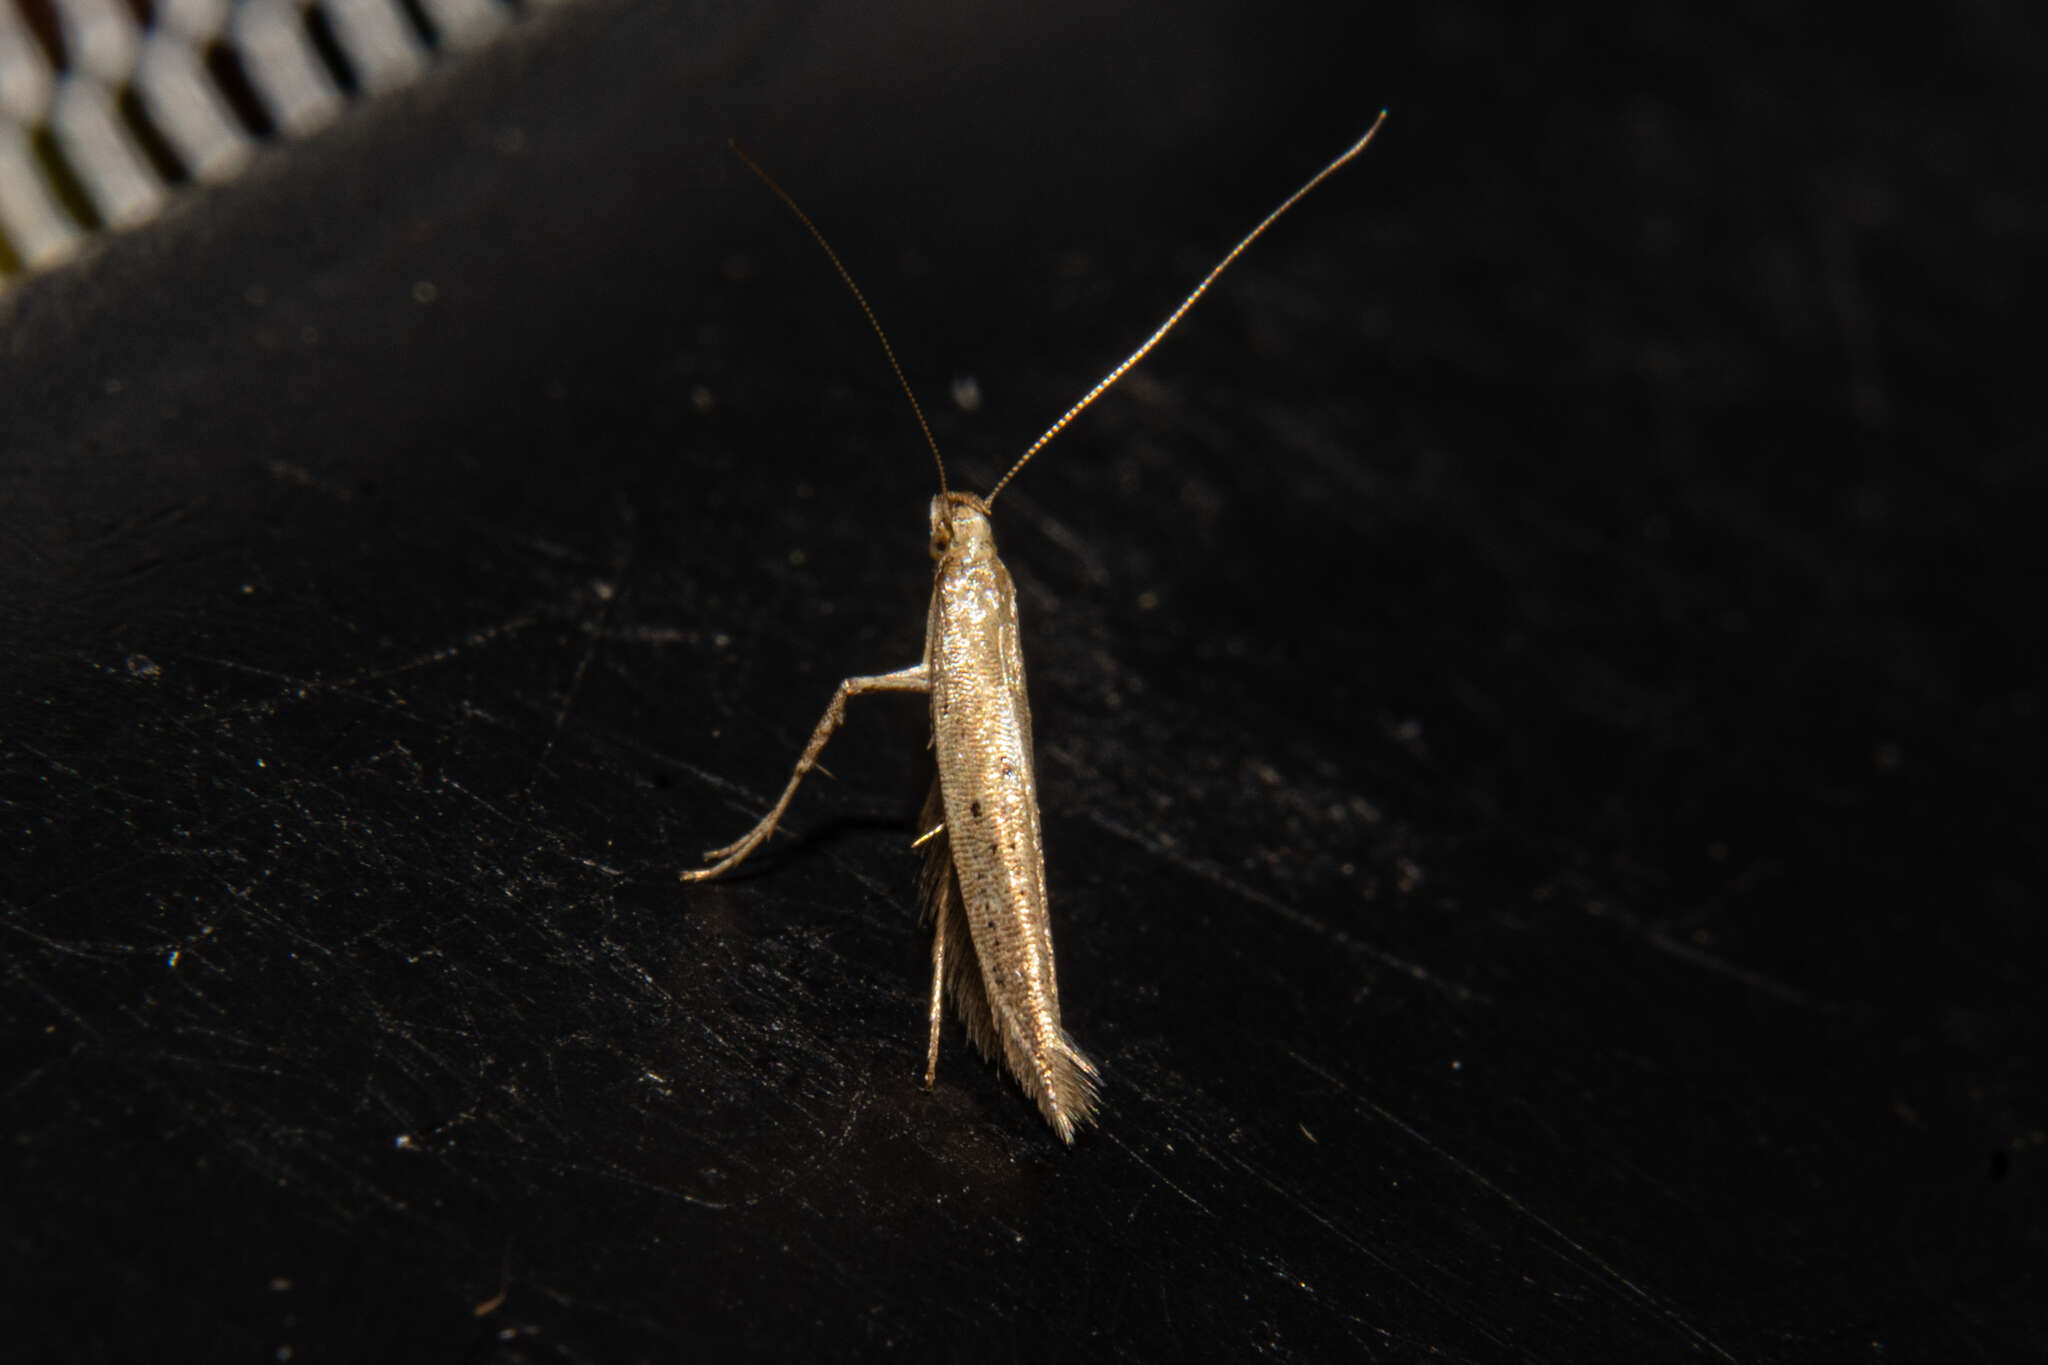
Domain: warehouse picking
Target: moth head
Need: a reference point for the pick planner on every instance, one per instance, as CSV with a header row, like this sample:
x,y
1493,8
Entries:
x,y
960,525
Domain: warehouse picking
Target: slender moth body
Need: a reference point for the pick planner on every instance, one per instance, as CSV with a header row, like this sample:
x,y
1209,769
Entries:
x,y
983,883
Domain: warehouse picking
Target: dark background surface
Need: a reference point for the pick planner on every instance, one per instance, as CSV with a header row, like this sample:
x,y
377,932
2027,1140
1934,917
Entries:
x,y
1538,757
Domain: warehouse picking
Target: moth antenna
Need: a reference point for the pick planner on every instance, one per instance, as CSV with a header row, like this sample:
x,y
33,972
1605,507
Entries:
x,y
1185,304
858,297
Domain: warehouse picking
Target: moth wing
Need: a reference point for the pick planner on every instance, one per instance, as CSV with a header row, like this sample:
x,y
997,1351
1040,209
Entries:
x,y
1074,1078
939,894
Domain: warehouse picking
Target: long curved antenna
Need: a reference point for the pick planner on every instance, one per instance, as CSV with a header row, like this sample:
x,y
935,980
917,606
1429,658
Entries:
x,y
860,298
1185,304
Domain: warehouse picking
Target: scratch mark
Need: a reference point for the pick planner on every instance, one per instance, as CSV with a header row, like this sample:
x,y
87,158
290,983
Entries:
x,y
1156,1174
61,767
1093,570
1713,962
616,1176
1649,1300
657,635
455,786
860,1102
434,656
1216,876
1330,1226
594,630
290,680
1333,458
874,885
1696,956
23,981
1232,1161
818,1162
639,748
297,688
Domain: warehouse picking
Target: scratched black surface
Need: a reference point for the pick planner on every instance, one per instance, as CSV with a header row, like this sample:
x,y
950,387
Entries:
x,y
1530,696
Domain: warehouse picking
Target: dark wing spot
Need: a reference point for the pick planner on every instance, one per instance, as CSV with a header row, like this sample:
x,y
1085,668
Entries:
x,y
974,809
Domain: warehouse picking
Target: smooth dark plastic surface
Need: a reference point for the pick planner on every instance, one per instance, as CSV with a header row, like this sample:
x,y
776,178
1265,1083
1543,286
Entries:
x,y
1533,699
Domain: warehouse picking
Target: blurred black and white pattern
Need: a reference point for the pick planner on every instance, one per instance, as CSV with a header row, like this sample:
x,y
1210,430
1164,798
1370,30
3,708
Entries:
x,y
108,107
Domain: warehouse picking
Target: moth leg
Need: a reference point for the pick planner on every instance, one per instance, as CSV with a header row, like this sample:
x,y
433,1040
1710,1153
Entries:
x,y
931,1056
913,679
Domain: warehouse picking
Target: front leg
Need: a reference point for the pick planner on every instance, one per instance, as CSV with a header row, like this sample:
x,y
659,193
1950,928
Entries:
x,y
916,678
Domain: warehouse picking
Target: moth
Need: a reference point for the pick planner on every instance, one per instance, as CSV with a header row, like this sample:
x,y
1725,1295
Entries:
x,y
983,884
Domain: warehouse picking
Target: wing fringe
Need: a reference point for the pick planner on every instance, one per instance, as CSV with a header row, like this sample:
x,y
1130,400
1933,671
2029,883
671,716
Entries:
x,y
1067,1092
